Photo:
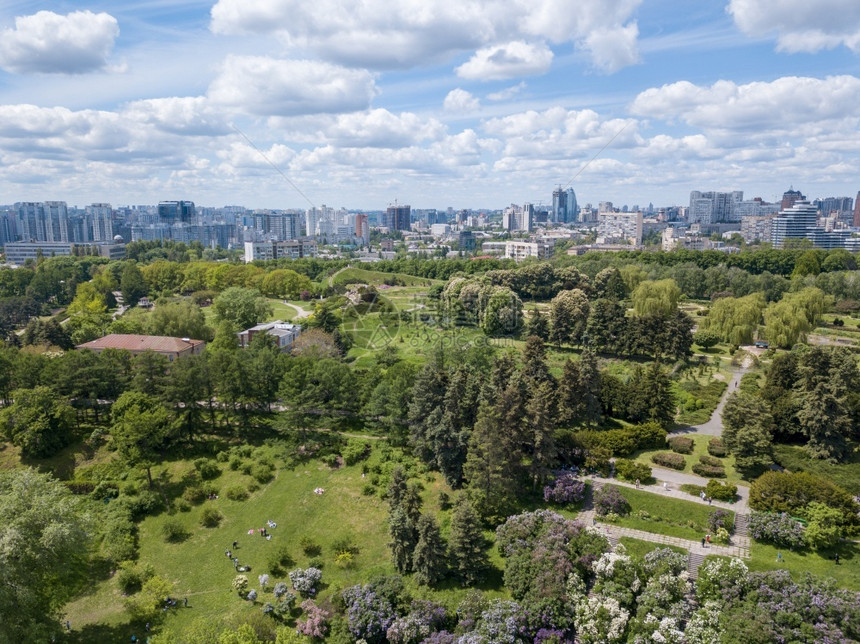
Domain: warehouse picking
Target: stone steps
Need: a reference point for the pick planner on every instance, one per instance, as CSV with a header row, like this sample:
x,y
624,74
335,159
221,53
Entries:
x,y
694,560
742,523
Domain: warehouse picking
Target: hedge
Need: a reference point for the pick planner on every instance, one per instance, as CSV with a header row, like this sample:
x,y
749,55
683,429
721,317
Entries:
x,y
710,460
721,491
668,459
717,448
681,444
709,471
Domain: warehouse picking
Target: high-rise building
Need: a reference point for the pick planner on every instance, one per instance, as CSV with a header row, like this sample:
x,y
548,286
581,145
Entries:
x,y
46,221
398,217
795,222
362,229
790,197
100,222
714,207
564,206
615,227
174,212
857,211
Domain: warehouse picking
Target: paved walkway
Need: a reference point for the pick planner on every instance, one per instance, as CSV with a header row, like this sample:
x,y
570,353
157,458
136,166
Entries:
x,y
714,425
739,546
300,312
673,480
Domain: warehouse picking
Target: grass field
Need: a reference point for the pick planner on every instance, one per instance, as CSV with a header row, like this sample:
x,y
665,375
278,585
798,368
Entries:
x,y
700,448
794,458
665,515
376,278
846,574
637,548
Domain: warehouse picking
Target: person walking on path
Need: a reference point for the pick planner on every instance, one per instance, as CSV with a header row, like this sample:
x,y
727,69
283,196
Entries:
x,y
665,486
637,484
708,539
185,601
703,542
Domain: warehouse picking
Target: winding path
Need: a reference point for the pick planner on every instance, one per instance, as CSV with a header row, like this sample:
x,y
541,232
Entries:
x,y
300,312
714,425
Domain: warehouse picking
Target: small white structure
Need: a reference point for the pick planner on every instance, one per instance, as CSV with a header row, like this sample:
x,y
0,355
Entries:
x,y
283,332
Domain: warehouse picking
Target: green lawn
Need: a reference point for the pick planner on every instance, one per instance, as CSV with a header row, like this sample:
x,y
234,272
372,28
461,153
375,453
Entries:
x,y
795,459
375,278
637,548
697,399
846,574
664,515
700,448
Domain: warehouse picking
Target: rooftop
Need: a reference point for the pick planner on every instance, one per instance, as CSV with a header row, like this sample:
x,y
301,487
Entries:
x,y
138,343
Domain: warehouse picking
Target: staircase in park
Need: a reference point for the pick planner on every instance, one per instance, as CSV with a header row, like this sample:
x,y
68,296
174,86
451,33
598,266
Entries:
x,y
742,524
694,560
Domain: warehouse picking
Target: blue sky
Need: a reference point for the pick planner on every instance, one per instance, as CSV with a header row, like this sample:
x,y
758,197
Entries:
x,y
479,103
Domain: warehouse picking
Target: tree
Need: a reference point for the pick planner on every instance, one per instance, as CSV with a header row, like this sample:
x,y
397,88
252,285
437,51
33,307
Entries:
x,y
706,339
140,427
658,298
403,539
823,416
541,414
538,325
609,284
46,332
43,544
535,370
182,319
735,320
748,431
466,545
607,325
503,312
243,307
428,394
132,284
489,464
794,316
38,422
428,559
650,397
568,317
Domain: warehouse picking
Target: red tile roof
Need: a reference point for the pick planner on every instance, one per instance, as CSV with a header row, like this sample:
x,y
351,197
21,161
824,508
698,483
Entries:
x,y
140,343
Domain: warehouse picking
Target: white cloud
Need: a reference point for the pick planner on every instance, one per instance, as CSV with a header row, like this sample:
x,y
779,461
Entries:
x,y
800,25
510,60
787,104
381,129
613,49
460,101
508,92
49,43
405,33
275,87
186,115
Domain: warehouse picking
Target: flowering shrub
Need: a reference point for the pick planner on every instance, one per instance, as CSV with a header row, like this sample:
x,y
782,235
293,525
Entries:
x,y
305,581
608,499
662,561
565,489
720,519
710,460
668,459
615,577
240,584
721,580
501,623
280,589
264,580
369,615
315,623
423,619
600,620
252,595
779,529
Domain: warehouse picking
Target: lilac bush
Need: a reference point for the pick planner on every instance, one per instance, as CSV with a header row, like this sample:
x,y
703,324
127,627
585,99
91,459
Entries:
x,y
424,618
720,519
369,615
501,623
315,623
441,637
779,529
305,581
608,499
565,489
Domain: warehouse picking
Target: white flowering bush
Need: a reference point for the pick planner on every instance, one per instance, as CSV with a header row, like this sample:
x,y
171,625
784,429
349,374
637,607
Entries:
x,y
600,620
704,626
305,581
661,631
616,576
721,579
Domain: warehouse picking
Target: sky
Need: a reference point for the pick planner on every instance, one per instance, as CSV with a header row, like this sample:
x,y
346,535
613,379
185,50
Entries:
x,y
433,103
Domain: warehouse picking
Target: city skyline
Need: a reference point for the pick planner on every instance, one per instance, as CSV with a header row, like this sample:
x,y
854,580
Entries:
x,y
482,105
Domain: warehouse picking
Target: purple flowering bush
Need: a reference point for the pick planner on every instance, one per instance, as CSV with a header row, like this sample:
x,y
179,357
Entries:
x,y
424,618
608,499
369,614
501,623
565,489
779,529
720,519
315,623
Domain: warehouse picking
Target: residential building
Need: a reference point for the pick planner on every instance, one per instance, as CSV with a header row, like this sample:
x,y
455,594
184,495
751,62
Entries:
x,y
172,212
790,197
516,217
623,227
42,221
520,250
756,229
796,221
173,348
857,211
99,218
466,240
564,206
714,207
362,229
289,249
398,217
283,332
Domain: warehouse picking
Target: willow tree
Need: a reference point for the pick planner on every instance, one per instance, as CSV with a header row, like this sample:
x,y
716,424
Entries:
x,y
735,319
657,298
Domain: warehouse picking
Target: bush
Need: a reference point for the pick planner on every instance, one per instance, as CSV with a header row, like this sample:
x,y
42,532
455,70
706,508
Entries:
x,y
236,493
207,468
632,471
720,518
681,444
355,451
344,544
181,505
710,460
263,472
222,456
103,490
608,500
235,463
776,528
668,459
210,489
173,531
194,494
280,560
717,448
689,488
721,491
147,502
709,471
565,489
210,517
310,547
791,492
130,576
444,500
305,581
368,489
648,435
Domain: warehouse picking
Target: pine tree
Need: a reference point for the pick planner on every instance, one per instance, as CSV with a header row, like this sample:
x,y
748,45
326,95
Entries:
x,y
541,414
428,394
747,431
538,325
403,539
661,400
535,370
396,487
466,546
569,397
428,560
589,388
412,502
489,467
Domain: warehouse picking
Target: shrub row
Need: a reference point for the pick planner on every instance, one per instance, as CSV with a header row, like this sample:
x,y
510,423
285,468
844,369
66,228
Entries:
x,y
668,459
710,460
681,444
717,448
709,471
623,442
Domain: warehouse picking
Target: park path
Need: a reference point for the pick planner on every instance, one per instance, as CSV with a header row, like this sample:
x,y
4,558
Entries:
x,y
714,425
300,312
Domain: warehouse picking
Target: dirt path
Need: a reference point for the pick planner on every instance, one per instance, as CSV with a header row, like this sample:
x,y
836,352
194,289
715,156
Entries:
x,y
300,312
